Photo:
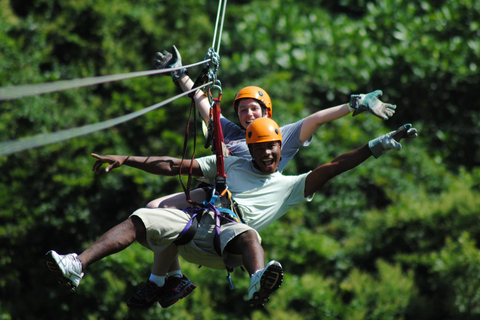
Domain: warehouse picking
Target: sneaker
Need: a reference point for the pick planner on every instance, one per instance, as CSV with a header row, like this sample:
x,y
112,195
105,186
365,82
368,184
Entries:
x,y
175,289
263,283
67,269
146,296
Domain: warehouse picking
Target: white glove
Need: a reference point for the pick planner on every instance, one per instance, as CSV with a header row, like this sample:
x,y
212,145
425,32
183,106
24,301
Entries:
x,y
391,140
165,60
370,102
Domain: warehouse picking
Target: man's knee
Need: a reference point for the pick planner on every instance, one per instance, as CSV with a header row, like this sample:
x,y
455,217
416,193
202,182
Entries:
x,y
140,230
249,235
242,241
153,204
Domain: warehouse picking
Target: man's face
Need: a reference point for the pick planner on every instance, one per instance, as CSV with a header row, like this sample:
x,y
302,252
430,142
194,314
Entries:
x,y
247,111
266,155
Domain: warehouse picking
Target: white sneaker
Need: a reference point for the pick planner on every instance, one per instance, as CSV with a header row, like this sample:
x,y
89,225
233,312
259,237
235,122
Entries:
x,y
67,269
265,282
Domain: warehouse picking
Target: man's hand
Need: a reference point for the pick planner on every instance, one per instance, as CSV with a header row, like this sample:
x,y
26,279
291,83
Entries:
x,y
167,60
405,131
114,161
370,102
391,140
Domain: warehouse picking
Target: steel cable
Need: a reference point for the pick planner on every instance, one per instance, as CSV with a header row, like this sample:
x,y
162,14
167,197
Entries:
x,y
15,92
12,146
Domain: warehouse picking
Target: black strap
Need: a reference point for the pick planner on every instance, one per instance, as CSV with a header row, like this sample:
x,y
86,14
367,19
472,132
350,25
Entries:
x,y
201,79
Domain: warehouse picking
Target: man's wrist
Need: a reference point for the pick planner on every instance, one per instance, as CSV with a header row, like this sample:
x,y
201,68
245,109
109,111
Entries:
x,y
350,108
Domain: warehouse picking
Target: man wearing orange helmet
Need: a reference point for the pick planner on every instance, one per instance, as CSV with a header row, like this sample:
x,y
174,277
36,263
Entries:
x,y
252,183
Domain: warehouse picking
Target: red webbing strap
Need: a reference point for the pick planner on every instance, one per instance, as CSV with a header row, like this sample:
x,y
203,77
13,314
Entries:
x,y
218,134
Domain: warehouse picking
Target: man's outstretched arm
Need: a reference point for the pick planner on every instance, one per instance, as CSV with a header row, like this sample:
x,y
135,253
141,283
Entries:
x,y
318,177
347,161
165,166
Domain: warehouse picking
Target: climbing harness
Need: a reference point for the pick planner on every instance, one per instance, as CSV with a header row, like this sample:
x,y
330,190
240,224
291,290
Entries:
x,y
221,215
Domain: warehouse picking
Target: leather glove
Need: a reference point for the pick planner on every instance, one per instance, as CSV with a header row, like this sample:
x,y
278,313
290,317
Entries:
x,y
370,102
391,140
167,60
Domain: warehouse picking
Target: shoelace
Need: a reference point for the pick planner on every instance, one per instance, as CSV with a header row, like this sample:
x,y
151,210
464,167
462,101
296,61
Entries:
x,y
175,284
148,291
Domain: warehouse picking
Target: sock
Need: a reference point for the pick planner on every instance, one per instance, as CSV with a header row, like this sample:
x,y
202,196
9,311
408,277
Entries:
x,y
158,280
176,274
259,270
76,258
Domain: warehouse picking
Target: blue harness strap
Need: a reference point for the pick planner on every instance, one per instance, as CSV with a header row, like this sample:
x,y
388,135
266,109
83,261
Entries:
x,y
218,217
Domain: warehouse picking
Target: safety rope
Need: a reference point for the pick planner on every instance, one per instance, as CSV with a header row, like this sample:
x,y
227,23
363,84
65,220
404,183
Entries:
x,y
188,187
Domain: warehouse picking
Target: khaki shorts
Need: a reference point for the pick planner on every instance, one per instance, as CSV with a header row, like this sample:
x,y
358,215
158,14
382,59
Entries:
x,y
164,225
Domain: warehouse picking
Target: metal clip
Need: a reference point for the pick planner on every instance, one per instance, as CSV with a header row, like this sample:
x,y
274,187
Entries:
x,y
230,283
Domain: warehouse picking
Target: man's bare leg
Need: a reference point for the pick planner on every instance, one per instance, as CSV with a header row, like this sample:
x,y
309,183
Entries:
x,y
114,240
68,269
264,280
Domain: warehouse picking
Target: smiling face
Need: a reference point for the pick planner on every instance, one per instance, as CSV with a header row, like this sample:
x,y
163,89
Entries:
x,y
248,110
266,155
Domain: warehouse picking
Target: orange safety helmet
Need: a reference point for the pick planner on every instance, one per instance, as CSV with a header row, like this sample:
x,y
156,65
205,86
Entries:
x,y
256,93
263,130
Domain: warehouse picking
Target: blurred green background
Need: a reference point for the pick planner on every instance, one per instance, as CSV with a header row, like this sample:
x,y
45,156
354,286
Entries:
x,y
396,238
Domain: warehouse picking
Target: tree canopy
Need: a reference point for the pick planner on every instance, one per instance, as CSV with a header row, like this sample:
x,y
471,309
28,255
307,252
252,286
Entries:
x,y
395,238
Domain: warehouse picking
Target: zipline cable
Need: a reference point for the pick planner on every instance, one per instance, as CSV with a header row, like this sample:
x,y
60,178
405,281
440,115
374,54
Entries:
x,y
12,146
221,25
15,92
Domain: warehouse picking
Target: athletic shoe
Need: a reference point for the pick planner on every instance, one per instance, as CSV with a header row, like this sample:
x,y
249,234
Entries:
x,y
263,283
175,289
67,269
146,296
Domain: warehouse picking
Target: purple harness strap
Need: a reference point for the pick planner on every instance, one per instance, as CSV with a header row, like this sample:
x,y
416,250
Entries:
x,y
188,232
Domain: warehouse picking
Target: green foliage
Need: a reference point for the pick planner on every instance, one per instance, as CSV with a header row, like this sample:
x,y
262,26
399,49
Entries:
x,y
384,297
395,238
457,265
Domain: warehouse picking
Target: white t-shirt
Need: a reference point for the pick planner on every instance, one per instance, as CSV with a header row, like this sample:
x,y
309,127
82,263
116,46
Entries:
x,y
263,198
